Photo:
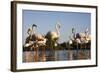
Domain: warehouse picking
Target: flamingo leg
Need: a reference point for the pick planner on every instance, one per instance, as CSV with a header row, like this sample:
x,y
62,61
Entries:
x,y
43,54
35,54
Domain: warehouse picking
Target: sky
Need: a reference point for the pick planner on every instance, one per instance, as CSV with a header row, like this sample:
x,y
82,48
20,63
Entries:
x,y
46,21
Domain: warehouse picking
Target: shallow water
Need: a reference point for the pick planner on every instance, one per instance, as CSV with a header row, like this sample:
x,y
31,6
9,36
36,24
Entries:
x,y
58,55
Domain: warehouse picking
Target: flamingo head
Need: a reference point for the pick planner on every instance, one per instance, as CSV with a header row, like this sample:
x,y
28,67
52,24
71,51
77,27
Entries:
x,y
34,25
29,31
58,25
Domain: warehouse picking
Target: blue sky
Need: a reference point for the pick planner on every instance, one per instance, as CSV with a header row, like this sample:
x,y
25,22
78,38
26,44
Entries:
x,y
46,20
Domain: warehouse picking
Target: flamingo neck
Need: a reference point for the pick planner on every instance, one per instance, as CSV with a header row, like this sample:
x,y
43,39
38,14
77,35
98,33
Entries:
x,y
57,29
33,31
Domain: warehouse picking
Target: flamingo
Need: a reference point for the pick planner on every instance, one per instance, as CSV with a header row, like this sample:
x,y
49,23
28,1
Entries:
x,y
29,39
52,38
54,35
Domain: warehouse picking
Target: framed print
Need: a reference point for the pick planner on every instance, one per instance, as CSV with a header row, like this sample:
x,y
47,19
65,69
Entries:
x,y
47,36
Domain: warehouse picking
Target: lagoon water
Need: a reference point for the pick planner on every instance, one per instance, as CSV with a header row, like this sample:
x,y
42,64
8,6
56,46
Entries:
x,y
58,55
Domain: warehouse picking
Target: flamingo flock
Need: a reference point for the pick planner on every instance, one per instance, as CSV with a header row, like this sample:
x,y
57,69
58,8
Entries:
x,y
39,39
35,40
80,38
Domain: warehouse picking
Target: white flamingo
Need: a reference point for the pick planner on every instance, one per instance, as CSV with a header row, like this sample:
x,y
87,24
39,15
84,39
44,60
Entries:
x,y
54,35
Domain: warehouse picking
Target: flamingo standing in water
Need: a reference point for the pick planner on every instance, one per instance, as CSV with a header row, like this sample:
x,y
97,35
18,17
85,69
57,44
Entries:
x,y
36,40
52,38
40,40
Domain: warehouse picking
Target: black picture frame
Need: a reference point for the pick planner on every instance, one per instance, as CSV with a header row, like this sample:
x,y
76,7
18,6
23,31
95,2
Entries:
x,y
14,34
